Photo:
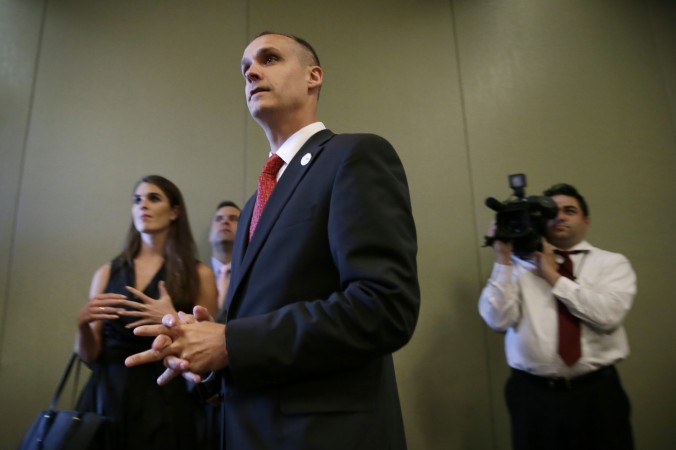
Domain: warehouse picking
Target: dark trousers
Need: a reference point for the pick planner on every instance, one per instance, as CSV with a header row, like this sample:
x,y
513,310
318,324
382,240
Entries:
x,y
590,412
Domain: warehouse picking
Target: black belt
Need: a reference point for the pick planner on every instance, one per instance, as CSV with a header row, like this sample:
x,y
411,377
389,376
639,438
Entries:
x,y
560,383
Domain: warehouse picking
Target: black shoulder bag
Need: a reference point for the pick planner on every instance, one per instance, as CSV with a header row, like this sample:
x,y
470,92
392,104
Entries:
x,y
65,430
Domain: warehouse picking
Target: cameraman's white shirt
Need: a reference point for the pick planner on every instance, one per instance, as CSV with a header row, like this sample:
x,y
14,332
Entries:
x,y
517,300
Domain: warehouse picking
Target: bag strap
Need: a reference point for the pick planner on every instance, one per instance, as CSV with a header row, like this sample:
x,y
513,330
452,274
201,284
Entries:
x,y
62,383
76,384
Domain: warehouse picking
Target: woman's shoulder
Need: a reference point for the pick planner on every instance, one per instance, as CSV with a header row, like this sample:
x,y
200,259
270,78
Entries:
x,y
108,269
204,270
104,270
100,279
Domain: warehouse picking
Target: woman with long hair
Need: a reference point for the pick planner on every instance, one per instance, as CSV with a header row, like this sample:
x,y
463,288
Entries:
x,y
159,261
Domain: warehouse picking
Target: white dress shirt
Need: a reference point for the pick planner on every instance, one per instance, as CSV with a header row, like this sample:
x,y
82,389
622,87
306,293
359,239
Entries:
x,y
517,300
218,267
291,146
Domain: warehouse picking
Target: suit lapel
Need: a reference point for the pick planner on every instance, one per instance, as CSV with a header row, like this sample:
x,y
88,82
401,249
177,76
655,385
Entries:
x,y
245,254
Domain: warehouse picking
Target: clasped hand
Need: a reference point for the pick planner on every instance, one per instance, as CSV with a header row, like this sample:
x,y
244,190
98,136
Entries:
x,y
109,306
149,310
189,345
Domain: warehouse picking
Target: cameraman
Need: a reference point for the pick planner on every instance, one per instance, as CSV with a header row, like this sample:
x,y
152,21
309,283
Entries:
x,y
564,391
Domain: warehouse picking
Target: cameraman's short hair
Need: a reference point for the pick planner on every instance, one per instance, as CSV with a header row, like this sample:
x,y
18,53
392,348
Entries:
x,y
570,191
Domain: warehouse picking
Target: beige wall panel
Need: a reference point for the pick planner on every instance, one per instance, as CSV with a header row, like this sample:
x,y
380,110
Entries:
x,y
20,26
652,365
467,91
663,16
123,89
572,91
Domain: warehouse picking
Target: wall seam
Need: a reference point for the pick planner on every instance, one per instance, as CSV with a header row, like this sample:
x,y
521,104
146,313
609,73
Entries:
x,y
465,127
661,65
22,162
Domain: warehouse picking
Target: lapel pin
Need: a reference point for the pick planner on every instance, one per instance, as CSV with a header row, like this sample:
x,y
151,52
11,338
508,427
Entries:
x,y
306,159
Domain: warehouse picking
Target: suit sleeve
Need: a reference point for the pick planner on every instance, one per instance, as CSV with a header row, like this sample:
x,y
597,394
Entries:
x,y
368,236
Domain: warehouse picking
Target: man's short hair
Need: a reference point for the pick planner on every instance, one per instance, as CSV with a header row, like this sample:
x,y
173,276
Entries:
x,y
225,203
312,54
570,191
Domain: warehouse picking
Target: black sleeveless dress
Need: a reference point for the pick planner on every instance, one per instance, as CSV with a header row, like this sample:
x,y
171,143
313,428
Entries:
x,y
145,416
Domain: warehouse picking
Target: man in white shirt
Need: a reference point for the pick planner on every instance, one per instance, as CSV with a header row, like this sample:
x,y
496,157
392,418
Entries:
x,y
564,334
221,239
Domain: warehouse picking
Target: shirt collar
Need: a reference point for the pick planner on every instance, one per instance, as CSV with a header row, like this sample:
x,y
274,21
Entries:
x,y
216,266
583,246
291,146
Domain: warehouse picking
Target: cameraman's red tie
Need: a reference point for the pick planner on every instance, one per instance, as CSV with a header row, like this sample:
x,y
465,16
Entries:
x,y
266,183
570,348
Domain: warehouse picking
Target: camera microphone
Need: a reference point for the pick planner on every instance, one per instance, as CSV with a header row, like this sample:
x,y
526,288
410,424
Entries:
x,y
494,204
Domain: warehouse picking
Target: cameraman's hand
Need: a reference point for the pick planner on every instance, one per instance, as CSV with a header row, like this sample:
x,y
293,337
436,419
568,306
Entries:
x,y
546,263
503,250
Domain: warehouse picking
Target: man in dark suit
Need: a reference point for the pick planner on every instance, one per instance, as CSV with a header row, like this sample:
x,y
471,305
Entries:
x,y
222,240
322,291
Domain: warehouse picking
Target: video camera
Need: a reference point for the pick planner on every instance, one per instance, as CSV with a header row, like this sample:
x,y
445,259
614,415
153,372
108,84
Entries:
x,y
521,220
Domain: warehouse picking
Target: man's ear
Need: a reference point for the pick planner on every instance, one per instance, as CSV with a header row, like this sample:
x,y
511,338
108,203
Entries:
x,y
316,77
587,220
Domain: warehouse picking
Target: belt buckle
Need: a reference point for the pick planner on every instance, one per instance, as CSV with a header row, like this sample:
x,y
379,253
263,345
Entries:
x,y
560,383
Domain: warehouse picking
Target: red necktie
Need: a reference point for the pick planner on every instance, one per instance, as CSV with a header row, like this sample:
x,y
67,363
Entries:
x,y
569,347
266,183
